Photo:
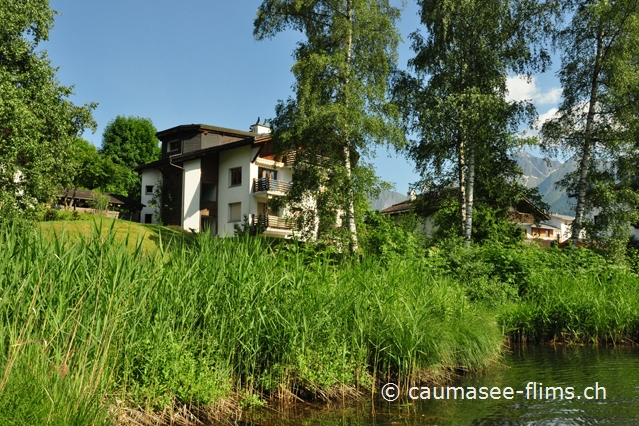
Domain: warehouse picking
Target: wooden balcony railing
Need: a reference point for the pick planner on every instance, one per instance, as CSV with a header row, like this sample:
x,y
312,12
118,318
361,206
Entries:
x,y
270,221
264,184
289,159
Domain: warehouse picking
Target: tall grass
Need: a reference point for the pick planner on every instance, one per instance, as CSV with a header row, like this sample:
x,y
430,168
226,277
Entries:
x,y
548,294
596,305
89,322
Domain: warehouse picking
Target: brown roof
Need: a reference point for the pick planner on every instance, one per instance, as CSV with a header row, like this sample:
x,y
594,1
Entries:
x,y
180,158
205,127
87,195
399,208
523,214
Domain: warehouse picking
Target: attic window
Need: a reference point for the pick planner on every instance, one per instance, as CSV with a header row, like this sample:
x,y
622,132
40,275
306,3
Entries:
x,y
174,145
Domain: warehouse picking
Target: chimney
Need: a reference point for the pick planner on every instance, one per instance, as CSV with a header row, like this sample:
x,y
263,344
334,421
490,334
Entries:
x,y
260,128
411,195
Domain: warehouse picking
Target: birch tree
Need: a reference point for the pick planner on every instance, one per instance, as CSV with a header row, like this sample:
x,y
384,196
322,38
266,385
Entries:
x,y
339,108
454,99
599,76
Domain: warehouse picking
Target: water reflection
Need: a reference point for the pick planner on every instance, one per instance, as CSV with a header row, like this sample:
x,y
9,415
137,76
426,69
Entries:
x,y
614,368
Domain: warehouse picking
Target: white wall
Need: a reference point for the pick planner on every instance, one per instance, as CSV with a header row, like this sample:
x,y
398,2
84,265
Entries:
x,y
191,195
149,177
238,157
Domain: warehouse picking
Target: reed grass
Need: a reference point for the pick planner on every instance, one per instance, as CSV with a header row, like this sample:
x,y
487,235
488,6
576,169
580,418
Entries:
x,y
92,321
597,306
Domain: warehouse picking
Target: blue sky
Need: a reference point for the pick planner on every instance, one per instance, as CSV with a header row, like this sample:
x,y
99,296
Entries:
x,y
196,61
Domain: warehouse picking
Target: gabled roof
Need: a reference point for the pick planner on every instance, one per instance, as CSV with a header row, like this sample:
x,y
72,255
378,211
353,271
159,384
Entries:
x,y
207,128
180,158
524,207
399,208
87,195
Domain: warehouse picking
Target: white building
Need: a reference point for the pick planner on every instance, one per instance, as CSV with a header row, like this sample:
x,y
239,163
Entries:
x,y
556,228
210,178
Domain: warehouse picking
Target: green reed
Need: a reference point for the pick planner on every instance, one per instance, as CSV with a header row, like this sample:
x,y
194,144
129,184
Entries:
x,y
595,305
91,323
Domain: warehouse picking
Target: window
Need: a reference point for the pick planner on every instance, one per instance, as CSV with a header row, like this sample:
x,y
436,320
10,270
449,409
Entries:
x,y
148,190
148,218
174,146
235,212
208,192
267,173
235,178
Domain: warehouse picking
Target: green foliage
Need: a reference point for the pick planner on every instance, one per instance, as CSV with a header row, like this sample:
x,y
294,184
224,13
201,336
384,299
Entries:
x,y
193,323
100,202
390,241
454,100
491,222
597,119
593,302
129,142
340,107
247,228
51,215
95,171
38,123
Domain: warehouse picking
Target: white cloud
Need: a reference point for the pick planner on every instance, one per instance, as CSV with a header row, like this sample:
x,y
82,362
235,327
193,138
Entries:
x,y
541,119
548,115
520,89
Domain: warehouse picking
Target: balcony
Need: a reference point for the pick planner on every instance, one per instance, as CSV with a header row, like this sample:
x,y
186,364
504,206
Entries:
x,y
270,187
272,226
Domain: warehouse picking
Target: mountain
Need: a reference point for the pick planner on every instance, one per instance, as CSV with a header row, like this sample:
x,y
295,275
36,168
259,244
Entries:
x,y
387,199
537,173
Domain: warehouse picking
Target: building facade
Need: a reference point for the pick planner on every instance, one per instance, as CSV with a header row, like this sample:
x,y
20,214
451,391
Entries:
x,y
210,178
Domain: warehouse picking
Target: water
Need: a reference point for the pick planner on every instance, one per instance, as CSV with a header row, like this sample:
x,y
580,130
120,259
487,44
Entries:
x,y
615,369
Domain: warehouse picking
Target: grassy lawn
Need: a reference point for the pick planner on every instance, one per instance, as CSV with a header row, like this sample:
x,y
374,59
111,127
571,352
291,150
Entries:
x,y
129,233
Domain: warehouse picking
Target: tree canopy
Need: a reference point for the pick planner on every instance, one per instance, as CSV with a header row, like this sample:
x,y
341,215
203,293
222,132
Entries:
x,y
340,106
38,122
598,116
454,100
129,142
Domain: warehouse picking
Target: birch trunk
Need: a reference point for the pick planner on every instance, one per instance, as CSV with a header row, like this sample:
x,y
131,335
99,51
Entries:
x,y
461,162
470,184
350,211
584,164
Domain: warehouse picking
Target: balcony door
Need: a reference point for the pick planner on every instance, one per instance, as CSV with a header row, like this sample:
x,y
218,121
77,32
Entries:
x,y
269,174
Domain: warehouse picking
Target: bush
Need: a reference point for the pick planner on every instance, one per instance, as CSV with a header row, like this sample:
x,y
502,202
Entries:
x,y
388,240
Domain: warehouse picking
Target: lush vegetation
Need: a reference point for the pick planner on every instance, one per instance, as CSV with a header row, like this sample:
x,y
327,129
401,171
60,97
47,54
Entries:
x,y
86,319
105,320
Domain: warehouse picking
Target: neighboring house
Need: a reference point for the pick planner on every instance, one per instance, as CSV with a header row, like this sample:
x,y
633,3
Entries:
x,y
210,178
82,200
536,224
555,228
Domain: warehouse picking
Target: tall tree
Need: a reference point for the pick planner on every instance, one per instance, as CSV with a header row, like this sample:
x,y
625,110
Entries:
x,y
454,100
598,112
95,171
340,106
38,123
129,142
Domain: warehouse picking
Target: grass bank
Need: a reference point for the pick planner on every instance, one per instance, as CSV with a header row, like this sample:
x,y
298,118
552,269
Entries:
x,y
543,295
98,325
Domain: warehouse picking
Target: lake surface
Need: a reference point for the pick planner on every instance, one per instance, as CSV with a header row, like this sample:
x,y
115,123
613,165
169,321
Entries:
x,y
586,375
